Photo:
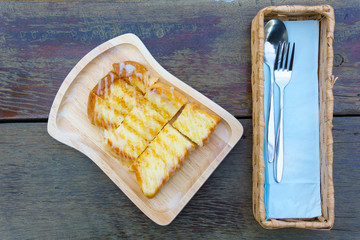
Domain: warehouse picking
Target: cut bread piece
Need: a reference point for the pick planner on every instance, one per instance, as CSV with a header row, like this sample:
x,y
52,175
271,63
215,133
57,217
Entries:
x,y
125,142
151,172
136,74
161,159
196,124
102,114
145,121
165,99
102,88
124,97
172,147
111,100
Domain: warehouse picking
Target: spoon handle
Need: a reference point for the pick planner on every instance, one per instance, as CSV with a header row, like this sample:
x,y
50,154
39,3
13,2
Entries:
x,y
271,121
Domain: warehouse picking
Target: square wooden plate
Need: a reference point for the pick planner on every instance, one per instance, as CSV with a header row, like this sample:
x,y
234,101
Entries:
x,y
69,124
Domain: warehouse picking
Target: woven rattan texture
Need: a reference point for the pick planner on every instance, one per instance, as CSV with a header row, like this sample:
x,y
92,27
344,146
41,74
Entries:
x,y
325,15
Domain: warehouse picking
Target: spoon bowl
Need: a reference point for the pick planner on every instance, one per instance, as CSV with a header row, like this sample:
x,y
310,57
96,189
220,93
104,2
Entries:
x,y
275,32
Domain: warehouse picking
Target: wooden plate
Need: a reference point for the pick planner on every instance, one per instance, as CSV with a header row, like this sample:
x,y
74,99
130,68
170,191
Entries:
x,y
69,124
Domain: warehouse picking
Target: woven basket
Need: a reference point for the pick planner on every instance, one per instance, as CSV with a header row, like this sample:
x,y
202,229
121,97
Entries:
x,y
325,15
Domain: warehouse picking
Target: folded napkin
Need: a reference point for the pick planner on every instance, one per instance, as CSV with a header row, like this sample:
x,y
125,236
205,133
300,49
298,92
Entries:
x,y
298,194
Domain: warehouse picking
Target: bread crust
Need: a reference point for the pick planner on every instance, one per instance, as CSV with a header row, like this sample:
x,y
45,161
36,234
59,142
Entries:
x,y
119,152
91,107
122,72
103,87
169,92
135,74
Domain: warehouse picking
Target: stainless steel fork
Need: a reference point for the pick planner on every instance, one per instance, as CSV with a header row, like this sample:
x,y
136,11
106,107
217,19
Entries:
x,y
282,72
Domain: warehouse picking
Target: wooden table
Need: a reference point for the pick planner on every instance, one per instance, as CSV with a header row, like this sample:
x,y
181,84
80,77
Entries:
x,y
51,191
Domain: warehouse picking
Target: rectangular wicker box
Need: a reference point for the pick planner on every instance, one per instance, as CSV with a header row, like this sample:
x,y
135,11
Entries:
x,y
325,15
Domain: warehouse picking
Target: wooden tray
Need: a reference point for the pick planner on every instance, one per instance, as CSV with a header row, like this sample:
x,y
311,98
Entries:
x,y
69,124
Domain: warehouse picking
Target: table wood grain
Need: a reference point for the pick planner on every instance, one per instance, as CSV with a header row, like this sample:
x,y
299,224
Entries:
x,y
51,191
204,43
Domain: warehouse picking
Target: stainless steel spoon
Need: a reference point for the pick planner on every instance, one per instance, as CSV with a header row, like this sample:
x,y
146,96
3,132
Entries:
x,y
275,32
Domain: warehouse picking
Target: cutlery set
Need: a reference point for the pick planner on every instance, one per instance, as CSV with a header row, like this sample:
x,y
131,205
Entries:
x,y
276,56
292,116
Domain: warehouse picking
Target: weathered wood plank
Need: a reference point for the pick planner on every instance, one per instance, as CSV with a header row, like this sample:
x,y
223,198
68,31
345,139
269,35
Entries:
x,y
206,44
50,191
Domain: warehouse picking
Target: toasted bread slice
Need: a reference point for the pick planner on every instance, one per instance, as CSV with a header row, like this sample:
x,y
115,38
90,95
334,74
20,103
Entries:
x,y
145,121
111,100
165,99
196,124
125,142
151,172
102,88
136,74
172,147
161,159
102,114
124,97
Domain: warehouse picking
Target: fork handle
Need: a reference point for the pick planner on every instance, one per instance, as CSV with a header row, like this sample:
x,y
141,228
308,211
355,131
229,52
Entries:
x,y
279,162
271,121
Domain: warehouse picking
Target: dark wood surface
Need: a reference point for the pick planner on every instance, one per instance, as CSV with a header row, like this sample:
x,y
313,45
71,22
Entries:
x,y
50,191
206,44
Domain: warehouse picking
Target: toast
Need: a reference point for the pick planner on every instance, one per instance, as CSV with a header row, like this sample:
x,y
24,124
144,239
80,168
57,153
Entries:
x,y
125,142
146,120
102,114
111,100
161,159
196,124
102,88
165,99
135,74
133,108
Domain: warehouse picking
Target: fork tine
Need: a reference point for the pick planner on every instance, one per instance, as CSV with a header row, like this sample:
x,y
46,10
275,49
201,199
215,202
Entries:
x,y
283,54
292,58
287,55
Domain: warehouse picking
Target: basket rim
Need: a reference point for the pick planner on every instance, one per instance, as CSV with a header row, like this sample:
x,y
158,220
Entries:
x,y
326,12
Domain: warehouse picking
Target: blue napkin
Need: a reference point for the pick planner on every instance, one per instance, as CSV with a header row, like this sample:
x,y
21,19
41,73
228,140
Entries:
x,y
298,194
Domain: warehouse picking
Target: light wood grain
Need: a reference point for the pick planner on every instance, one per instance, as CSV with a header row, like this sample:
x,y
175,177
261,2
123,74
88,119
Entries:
x,y
68,123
